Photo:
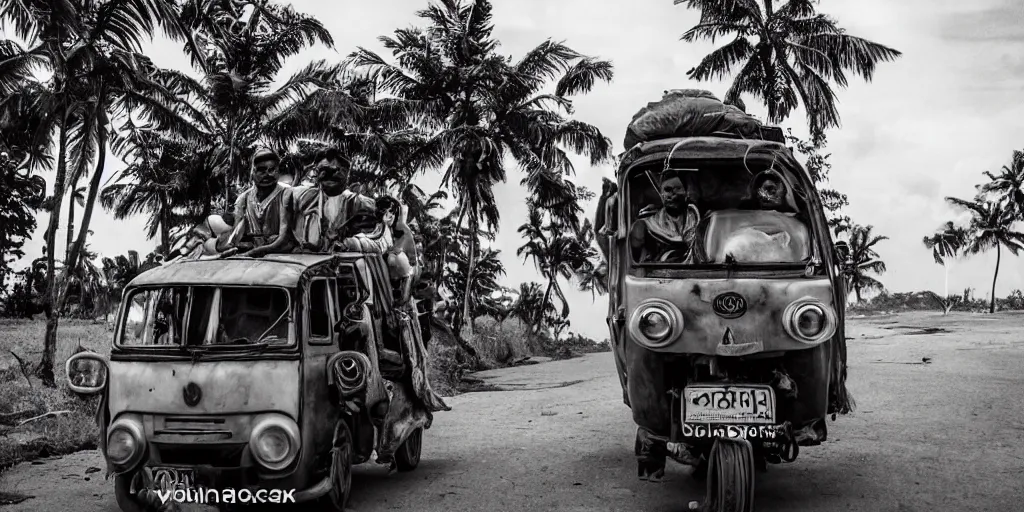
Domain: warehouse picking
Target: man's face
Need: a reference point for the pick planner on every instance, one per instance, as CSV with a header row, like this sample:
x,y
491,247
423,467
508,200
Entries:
x,y
265,173
770,192
674,193
332,176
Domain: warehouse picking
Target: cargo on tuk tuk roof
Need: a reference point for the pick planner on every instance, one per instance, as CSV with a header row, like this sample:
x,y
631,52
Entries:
x,y
282,270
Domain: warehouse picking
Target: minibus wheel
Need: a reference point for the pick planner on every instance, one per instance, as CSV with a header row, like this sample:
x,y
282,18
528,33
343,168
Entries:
x,y
407,457
341,469
126,500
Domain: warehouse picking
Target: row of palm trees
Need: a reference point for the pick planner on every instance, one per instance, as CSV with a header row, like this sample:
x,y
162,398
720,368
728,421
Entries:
x,y
996,212
94,290
453,102
75,85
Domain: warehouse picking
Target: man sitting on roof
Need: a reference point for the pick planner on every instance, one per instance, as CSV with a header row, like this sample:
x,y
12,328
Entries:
x,y
258,225
326,214
666,233
261,214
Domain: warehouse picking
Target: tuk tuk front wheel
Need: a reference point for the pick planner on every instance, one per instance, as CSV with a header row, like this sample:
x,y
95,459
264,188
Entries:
x,y
341,470
730,476
408,455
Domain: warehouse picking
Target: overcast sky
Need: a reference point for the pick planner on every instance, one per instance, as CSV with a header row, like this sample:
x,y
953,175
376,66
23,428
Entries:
x,y
925,128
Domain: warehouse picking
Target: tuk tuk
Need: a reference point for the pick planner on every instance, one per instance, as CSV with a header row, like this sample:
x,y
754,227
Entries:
x,y
728,339
271,377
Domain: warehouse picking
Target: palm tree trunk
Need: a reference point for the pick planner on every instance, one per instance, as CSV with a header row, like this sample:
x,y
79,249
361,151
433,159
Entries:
x,y
561,297
71,222
458,231
470,267
165,230
945,286
856,291
547,292
90,203
992,303
45,369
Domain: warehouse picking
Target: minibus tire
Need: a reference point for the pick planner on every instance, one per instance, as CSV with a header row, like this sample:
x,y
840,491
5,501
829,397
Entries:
x,y
407,457
126,501
341,467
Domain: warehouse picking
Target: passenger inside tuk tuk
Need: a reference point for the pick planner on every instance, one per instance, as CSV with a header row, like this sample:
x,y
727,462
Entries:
x,y
666,232
758,220
769,191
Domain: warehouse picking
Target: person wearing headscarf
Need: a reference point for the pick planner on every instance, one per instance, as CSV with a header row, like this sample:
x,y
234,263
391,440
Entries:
x,y
769,191
261,215
669,233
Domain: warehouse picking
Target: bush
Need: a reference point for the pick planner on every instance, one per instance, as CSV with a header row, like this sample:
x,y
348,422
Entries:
x,y
20,303
446,369
929,301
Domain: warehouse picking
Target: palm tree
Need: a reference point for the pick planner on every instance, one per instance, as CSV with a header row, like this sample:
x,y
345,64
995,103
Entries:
x,y
797,55
945,245
86,288
484,281
157,181
530,306
557,251
482,107
233,108
591,275
20,196
1008,185
90,48
863,260
991,226
120,271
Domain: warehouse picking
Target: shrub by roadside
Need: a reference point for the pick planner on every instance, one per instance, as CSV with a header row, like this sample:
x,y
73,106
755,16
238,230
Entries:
x,y
499,345
928,301
74,428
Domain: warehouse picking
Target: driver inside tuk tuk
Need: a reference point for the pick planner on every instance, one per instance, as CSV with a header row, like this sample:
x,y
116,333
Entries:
x,y
667,233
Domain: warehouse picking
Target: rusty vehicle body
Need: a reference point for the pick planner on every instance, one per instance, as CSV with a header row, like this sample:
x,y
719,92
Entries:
x,y
726,365
277,373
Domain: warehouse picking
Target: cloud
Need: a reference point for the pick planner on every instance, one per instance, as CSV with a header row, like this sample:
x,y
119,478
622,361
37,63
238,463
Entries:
x,y
997,21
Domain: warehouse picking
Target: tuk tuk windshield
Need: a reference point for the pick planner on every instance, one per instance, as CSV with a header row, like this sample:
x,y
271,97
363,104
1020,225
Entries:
x,y
206,316
717,213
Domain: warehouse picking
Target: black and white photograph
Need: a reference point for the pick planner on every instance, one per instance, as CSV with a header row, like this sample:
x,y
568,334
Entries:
x,y
511,255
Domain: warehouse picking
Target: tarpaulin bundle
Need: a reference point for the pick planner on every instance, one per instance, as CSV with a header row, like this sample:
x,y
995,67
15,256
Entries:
x,y
694,113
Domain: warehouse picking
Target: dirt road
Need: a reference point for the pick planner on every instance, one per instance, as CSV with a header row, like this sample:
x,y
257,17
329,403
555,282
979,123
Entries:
x,y
946,435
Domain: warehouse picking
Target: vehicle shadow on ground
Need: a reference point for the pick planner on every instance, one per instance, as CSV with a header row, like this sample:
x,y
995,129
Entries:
x,y
371,481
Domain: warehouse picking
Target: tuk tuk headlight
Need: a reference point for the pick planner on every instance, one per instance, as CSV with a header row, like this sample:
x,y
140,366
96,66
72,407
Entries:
x,y
126,442
809,321
274,442
656,323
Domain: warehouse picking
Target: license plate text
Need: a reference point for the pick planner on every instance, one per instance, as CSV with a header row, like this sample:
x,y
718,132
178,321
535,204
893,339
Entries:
x,y
729,404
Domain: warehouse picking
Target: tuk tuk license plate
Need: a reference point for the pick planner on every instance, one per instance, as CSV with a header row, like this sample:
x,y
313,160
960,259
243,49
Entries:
x,y
729,404
170,479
